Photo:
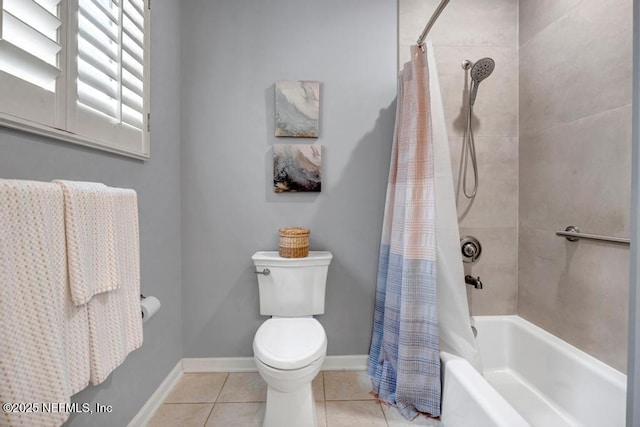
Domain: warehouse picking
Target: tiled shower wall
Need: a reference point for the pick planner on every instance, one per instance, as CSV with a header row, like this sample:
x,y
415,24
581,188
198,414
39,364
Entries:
x,y
553,135
471,29
575,169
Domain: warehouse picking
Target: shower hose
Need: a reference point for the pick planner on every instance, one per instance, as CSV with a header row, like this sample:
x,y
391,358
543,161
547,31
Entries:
x,y
469,154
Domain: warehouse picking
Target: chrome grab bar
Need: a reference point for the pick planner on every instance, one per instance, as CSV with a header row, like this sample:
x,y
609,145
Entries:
x,y
573,234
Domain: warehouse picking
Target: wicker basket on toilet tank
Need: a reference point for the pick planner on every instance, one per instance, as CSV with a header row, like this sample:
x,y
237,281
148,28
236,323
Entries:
x,y
294,242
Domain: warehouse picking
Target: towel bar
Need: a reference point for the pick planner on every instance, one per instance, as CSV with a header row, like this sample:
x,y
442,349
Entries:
x,y
573,234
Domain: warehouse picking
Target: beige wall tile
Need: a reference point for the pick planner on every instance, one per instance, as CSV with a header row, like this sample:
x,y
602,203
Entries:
x,y
535,15
578,174
571,89
577,291
575,112
472,30
569,70
181,415
197,388
497,268
496,201
495,112
463,22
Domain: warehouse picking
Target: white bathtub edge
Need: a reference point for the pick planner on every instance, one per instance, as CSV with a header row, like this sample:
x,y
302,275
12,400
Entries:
x,y
582,386
579,356
467,396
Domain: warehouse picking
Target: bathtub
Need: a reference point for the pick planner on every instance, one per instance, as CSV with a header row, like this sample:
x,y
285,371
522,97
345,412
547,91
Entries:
x,y
530,378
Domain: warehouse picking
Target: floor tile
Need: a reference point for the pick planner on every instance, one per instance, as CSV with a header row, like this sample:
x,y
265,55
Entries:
x,y
354,414
244,387
347,385
394,419
318,387
237,415
181,415
197,388
321,413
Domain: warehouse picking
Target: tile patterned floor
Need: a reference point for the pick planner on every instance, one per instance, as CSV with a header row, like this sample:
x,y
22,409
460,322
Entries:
x,y
237,399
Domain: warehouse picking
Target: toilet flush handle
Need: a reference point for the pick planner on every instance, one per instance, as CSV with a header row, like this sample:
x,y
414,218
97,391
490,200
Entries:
x,y
266,272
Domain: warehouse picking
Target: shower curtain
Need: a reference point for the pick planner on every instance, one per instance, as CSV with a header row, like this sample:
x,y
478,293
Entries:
x,y
421,305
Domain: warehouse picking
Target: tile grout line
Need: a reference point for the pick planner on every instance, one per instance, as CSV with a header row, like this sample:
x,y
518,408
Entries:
x,y
226,378
324,400
321,404
324,390
384,414
545,27
535,131
209,416
215,402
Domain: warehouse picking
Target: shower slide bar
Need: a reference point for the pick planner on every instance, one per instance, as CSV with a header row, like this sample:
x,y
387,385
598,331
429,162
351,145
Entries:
x,y
573,234
432,21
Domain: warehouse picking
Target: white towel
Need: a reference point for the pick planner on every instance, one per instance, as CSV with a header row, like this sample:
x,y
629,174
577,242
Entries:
x,y
115,322
44,356
91,247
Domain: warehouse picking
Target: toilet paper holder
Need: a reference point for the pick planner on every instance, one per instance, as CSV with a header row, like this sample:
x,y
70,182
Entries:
x,y
148,308
141,312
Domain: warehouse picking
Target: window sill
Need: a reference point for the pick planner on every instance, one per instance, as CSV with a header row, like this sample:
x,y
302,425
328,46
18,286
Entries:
x,y
12,122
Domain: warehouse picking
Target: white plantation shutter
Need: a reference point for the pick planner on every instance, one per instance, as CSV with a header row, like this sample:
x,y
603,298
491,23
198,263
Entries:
x,y
77,70
111,75
29,41
29,58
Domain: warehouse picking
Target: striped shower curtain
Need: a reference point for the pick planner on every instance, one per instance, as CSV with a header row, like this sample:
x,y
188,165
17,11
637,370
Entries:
x,y
404,361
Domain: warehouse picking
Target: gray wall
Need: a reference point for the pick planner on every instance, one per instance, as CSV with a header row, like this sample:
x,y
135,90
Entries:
x,y
232,53
157,184
575,169
471,29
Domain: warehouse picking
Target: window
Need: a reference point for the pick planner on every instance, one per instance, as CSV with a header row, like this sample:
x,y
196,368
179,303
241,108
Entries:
x,y
77,70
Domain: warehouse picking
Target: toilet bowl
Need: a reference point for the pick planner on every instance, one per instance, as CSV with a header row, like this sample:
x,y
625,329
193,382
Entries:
x,y
289,348
289,353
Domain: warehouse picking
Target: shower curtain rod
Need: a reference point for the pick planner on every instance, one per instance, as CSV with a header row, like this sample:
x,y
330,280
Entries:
x,y
432,21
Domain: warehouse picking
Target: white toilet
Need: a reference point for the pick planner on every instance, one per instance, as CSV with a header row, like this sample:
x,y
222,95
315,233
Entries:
x,y
289,348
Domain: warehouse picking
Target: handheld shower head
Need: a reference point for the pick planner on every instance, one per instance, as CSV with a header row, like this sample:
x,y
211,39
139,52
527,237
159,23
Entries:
x,y
480,71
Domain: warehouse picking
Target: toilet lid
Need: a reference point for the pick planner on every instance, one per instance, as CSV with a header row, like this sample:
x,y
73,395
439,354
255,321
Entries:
x,y
290,343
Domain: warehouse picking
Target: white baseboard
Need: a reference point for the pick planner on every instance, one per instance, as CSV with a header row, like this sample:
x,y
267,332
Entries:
x,y
219,364
145,414
356,362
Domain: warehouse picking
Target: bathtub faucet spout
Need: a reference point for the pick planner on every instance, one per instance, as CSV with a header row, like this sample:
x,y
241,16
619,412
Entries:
x,y
473,281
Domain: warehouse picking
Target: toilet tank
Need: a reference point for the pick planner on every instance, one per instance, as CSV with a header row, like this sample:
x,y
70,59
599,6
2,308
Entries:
x,y
294,287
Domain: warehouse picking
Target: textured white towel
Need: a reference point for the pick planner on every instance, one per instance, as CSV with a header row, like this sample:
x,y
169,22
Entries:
x,y
44,355
91,247
115,322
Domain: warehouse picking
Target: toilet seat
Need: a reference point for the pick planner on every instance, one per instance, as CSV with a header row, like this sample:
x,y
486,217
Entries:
x,y
290,343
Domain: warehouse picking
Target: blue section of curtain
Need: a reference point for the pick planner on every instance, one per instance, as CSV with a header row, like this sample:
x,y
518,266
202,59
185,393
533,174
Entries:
x,y
404,361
